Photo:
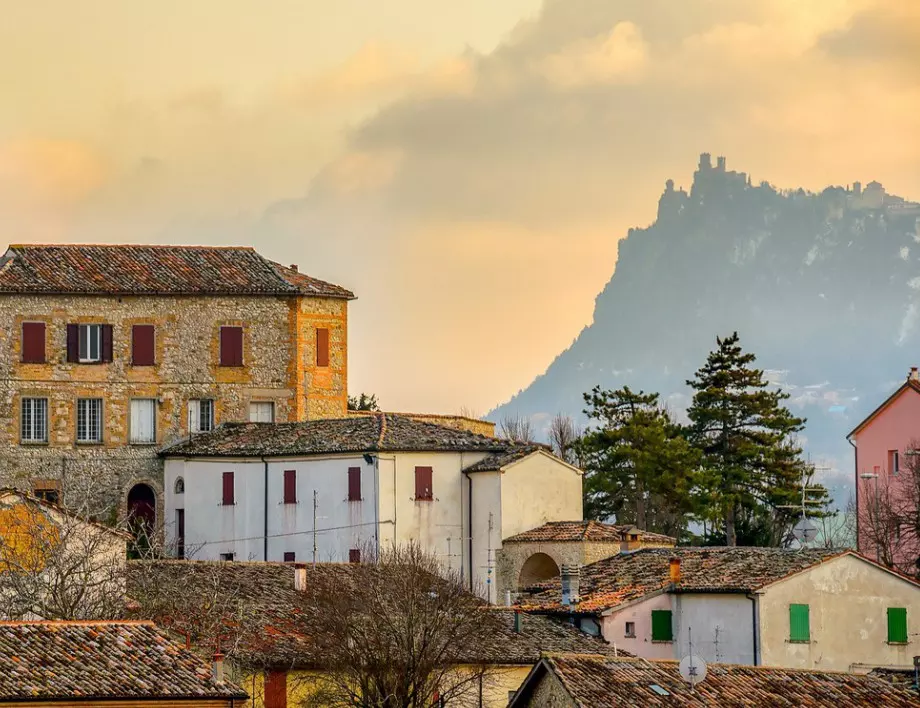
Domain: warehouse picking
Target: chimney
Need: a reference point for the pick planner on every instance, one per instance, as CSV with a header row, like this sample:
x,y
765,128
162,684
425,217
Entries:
x,y
217,668
517,621
629,539
294,267
571,575
300,576
674,568
913,375
507,598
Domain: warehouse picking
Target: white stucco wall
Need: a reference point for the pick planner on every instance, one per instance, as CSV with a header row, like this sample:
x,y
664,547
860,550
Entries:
x,y
722,626
848,599
538,489
613,627
487,489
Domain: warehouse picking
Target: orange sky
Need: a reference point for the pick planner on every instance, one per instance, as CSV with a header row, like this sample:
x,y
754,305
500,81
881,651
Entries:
x,y
465,168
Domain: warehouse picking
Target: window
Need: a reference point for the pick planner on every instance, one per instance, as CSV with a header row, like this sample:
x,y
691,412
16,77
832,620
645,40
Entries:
x,y
179,487
261,412
799,625
423,491
322,346
290,486
354,555
289,556
231,346
661,626
893,462
89,420
142,345
200,415
143,421
180,533
33,342
897,625
354,484
226,556
48,490
89,343
227,495
630,629
33,421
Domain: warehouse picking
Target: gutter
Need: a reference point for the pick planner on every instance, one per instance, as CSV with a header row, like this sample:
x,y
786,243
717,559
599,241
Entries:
x,y
265,511
856,484
469,520
755,626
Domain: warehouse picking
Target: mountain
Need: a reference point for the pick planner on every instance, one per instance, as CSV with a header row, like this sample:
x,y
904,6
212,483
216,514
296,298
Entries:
x,y
823,288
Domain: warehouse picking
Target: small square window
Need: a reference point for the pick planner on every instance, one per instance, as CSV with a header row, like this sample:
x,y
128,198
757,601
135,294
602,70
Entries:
x,y
47,490
227,556
262,412
630,630
289,556
354,555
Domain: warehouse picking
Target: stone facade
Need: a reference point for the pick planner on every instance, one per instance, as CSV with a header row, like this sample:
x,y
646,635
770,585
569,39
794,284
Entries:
x,y
279,366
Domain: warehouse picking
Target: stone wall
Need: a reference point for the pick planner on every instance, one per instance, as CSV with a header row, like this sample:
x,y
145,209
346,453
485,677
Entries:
x,y
279,366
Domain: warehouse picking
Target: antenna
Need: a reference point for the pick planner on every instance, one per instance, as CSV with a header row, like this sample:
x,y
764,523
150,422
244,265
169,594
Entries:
x,y
692,668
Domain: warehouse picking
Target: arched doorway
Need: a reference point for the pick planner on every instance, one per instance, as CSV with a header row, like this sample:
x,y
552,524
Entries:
x,y
142,517
536,569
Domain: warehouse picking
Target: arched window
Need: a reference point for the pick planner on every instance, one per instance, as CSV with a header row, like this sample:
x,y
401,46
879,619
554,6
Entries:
x,y
180,486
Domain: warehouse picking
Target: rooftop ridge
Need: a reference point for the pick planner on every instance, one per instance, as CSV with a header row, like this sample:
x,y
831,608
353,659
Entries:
x,y
79,623
131,245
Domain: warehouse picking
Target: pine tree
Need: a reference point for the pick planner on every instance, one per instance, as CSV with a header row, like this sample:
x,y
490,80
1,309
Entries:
x,y
639,467
752,465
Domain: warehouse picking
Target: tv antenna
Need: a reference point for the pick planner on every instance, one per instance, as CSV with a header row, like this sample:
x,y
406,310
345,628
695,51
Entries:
x,y
805,531
692,668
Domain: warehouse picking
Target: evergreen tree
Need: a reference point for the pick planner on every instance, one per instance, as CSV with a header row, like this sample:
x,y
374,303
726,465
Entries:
x,y
752,466
639,467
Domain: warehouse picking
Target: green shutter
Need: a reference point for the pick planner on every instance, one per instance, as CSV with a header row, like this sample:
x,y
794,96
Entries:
x,y
661,626
798,623
897,625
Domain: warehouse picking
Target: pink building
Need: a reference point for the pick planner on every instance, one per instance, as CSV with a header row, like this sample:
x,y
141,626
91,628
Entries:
x,y
887,474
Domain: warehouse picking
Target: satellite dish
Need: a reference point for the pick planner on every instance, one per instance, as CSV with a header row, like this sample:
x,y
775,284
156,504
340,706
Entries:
x,y
692,669
805,531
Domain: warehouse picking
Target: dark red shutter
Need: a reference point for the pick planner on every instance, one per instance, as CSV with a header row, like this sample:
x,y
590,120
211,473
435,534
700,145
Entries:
x,y
142,345
290,486
180,533
322,347
354,555
106,342
423,483
275,689
33,342
228,488
73,343
354,484
289,556
231,346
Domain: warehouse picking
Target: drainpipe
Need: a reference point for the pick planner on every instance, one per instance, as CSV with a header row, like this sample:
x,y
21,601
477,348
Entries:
x,y
755,627
265,517
377,505
469,521
856,482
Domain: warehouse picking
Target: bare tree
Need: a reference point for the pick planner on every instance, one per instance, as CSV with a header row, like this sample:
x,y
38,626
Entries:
x,y
393,633
564,435
516,428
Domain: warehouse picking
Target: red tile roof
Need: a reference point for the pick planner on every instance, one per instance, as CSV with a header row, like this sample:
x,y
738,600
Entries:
x,y
101,660
153,270
555,531
592,681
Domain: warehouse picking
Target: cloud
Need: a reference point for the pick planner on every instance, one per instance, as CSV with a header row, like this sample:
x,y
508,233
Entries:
x,y
616,57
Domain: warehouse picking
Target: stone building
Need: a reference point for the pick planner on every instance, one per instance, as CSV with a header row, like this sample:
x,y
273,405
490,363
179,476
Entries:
x,y
108,353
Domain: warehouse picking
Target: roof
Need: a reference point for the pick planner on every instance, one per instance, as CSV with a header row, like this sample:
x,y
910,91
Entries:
x,y
103,660
382,432
153,270
500,460
595,681
266,591
577,531
26,498
910,384
627,577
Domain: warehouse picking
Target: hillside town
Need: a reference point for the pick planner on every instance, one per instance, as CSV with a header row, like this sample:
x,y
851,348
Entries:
x,y
192,514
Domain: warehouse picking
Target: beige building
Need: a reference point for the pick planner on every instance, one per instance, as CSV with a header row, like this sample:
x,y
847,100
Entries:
x,y
108,353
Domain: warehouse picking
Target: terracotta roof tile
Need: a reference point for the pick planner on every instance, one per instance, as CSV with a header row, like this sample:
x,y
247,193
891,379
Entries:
x,y
381,432
103,660
153,270
601,681
515,452
555,531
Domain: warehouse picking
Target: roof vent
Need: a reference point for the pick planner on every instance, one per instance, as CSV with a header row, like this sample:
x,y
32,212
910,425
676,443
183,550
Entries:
x,y
294,267
913,376
659,690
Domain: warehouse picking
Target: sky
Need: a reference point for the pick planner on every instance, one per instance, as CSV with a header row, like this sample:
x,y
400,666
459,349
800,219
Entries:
x,y
465,168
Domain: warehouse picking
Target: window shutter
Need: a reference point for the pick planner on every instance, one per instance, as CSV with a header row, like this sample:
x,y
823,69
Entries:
x,y
354,484
290,486
275,689
228,499
897,625
73,343
231,346
180,533
106,342
354,555
322,346
143,425
799,629
33,342
142,345
423,490
661,626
